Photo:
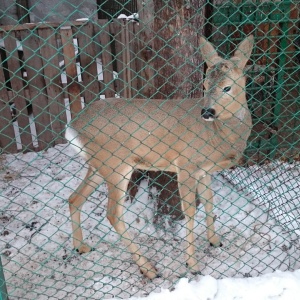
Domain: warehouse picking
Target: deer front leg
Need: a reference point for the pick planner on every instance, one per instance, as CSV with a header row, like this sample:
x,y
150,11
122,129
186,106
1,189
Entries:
x,y
117,186
206,198
76,200
187,191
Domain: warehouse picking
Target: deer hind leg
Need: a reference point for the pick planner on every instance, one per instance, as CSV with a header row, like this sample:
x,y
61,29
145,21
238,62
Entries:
x,y
88,185
117,186
206,198
187,191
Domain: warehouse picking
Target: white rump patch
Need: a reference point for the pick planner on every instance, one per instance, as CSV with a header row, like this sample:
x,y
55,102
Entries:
x,y
72,136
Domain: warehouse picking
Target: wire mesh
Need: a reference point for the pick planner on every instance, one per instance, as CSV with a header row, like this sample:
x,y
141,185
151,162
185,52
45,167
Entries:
x,y
66,60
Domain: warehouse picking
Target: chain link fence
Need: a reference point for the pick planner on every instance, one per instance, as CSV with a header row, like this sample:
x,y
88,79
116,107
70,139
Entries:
x,y
59,59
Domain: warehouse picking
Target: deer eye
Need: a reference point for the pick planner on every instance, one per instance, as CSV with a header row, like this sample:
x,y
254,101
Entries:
x,y
226,89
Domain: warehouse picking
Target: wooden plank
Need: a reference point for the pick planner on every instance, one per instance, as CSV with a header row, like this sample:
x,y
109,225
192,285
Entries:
x,y
103,37
52,77
127,63
36,84
133,59
73,86
7,135
31,26
120,45
145,54
17,84
88,55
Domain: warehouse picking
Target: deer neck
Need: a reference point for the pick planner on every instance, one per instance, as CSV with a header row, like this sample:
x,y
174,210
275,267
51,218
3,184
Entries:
x,y
233,132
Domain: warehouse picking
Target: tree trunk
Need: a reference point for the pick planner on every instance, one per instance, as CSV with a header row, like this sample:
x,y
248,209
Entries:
x,y
178,27
23,11
170,47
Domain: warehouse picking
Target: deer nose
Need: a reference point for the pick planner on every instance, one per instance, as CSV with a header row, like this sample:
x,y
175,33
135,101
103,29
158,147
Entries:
x,y
208,114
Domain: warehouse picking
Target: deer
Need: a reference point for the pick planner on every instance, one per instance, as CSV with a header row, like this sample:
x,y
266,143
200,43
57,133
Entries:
x,y
191,137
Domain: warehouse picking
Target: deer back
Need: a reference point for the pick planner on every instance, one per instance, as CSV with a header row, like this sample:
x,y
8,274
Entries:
x,y
167,134
156,133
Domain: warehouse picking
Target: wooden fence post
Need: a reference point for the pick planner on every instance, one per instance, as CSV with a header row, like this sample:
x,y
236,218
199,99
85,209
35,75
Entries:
x,y
73,86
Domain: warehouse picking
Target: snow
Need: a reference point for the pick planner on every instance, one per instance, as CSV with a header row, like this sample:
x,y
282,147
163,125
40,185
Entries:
x,y
280,285
256,216
134,16
82,19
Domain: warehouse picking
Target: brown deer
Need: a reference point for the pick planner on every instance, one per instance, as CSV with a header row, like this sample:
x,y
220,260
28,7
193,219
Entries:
x,y
191,137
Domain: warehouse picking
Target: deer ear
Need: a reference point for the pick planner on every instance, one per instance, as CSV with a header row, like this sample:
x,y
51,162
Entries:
x,y
243,52
208,52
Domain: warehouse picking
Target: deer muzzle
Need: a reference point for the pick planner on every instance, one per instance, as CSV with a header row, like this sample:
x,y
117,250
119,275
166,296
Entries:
x,y
208,114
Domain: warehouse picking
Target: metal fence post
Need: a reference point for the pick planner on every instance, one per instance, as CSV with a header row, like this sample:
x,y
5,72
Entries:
x,y
3,290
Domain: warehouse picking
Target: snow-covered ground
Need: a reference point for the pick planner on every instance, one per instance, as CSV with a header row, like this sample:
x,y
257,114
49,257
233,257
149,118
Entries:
x,y
257,218
276,286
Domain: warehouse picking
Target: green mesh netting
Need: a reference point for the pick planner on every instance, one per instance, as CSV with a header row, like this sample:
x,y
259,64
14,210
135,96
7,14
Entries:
x,y
59,58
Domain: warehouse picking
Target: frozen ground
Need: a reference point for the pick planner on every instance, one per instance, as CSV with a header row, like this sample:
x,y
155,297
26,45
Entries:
x,y
257,219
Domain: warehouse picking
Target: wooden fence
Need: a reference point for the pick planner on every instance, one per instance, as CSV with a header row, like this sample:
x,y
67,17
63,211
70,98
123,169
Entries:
x,y
49,70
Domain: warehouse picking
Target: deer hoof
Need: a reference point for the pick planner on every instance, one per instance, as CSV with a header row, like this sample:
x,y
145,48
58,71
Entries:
x,y
84,249
216,245
196,273
150,273
193,269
